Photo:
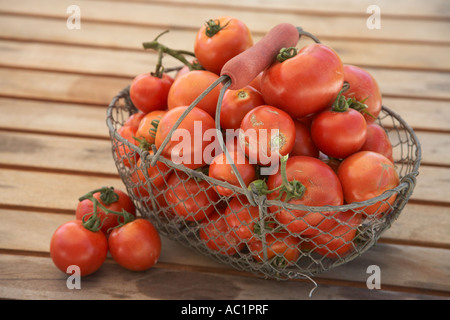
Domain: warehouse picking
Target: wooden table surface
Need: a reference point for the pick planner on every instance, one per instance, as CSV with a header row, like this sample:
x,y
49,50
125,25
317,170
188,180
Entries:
x,y
55,86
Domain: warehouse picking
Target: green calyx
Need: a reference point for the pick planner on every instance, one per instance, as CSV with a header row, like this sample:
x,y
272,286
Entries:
x,y
213,27
107,196
286,53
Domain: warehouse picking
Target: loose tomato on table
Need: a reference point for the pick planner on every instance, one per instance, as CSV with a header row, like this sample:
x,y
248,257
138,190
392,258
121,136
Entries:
x,y
308,181
108,198
236,104
219,40
135,245
305,83
365,175
363,88
190,86
73,244
190,198
266,133
149,92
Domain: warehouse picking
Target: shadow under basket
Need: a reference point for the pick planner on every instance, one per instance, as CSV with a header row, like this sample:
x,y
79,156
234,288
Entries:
x,y
269,253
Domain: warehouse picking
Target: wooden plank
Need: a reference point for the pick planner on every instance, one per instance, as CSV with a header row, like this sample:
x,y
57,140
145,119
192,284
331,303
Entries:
x,y
18,281
57,153
139,13
431,10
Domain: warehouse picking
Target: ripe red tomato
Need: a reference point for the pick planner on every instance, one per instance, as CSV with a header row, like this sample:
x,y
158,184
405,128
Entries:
x,y
73,244
136,245
266,133
365,175
188,143
85,208
378,141
190,198
321,188
241,218
125,154
339,134
217,235
282,249
221,169
338,240
304,145
306,83
189,86
134,120
147,127
364,88
149,92
219,40
236,104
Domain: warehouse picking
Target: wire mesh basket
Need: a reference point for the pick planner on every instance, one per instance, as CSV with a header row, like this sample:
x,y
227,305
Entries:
x,y
253,241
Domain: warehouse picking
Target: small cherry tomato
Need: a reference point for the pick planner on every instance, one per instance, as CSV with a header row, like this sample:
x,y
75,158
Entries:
x,y
136,245
236,104
363,88
219,40
149,92
73,244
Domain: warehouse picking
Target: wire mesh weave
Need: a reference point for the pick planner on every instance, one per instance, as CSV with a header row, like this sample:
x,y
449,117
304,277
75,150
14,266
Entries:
x,y
270,253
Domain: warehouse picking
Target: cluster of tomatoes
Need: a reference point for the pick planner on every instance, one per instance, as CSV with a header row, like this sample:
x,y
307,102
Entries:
x,y
105,221
310,112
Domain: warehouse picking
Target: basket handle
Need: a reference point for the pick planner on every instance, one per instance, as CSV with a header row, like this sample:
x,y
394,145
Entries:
x,y
243,68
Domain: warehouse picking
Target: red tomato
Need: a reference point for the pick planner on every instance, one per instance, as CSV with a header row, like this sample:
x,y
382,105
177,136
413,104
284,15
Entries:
x,y
338,241
217,235
365,175
147,127
241,218
304,146
85,208
339,134
378,141
190,198
125,154
364,88
236,104
221,169
266,133
220,40
188,143
134,120
256,83
282,249
149,93
190,86
306,83
136,245
321,188
73,244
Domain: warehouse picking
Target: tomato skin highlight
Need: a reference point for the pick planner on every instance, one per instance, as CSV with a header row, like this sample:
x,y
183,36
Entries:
x,y
213,52
305,84
136,245
73,244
